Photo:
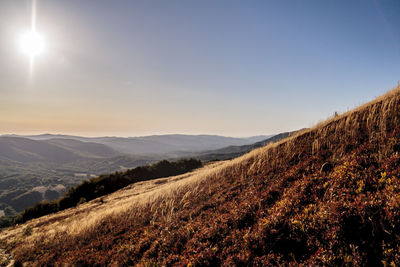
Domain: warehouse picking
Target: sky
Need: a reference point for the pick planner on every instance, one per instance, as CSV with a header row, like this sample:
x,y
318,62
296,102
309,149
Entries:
x,y
234,68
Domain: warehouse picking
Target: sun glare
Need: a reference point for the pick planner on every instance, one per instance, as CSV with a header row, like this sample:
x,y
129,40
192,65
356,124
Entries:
x,y
32,44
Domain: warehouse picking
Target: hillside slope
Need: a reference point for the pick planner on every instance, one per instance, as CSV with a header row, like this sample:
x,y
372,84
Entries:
x,y
231,152
84,149
329,195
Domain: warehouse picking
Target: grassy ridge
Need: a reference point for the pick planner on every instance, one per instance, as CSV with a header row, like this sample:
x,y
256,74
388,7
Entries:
x,y
106,184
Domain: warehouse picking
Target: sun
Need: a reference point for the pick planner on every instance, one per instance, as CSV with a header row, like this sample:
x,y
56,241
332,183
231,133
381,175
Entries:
x,y
32,44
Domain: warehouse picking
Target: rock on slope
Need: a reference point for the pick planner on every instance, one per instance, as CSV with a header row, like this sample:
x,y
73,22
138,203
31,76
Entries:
x,y
275,205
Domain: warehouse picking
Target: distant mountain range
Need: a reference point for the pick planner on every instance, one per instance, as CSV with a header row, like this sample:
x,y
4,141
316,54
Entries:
x,y
154,145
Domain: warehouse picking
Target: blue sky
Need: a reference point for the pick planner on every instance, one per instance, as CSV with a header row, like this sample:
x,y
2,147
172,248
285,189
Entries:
x,y
235,68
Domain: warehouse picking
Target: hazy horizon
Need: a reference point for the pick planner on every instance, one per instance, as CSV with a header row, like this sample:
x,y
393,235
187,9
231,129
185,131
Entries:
x,y
128,136
231,68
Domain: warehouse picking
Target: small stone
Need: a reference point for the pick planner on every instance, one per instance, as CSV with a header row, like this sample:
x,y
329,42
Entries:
x,y
326,167
396,148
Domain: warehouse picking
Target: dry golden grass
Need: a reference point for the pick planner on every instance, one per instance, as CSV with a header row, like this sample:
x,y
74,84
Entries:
x,y
128,201
162,197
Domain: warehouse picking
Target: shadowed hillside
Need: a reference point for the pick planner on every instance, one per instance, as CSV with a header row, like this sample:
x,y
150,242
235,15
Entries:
x,y
329,195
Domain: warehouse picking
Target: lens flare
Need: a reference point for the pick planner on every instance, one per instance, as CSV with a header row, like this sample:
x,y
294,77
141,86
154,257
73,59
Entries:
x,y
32,44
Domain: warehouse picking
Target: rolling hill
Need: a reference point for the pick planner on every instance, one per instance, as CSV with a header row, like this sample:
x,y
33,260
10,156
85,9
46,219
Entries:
x,y
84,149
52,150
329,195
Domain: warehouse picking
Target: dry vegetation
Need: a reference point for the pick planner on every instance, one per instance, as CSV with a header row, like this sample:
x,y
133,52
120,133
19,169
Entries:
x,y
329,195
